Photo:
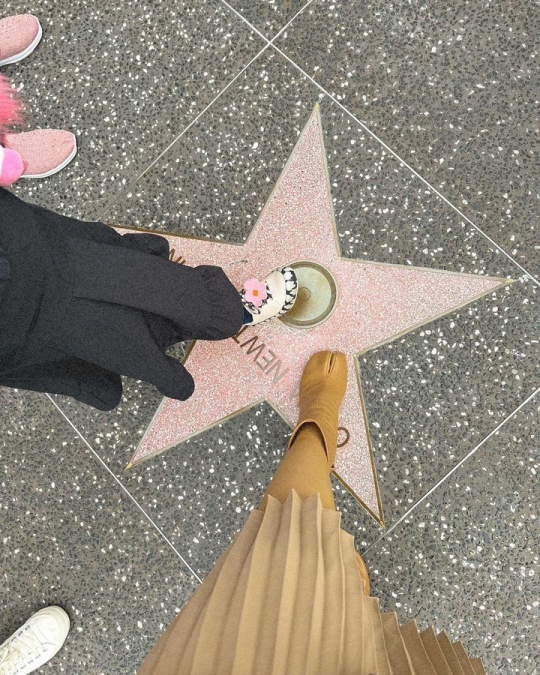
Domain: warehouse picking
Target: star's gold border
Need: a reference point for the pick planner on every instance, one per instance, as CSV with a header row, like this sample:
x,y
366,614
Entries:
x,y
502,282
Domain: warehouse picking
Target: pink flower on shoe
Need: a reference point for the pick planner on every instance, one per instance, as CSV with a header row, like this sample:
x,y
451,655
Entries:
x,y
255,292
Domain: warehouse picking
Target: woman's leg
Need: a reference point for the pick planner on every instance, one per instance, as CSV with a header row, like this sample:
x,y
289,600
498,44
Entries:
x,y
311,453
303,469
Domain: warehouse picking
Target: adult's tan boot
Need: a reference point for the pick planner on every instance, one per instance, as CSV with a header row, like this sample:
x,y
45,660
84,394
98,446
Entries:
x,y
322,389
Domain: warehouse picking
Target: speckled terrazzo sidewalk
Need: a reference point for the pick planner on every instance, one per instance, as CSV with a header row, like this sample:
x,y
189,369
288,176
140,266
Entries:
x,y
186,114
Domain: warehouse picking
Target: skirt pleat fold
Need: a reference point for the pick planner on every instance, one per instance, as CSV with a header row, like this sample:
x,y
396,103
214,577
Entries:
x,y
286,598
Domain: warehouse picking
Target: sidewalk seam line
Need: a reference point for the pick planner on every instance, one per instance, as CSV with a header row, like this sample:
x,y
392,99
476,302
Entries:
x,y
135,180
454,469
125,490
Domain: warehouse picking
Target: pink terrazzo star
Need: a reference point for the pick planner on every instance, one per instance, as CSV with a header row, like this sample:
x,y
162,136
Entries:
x,y
376,304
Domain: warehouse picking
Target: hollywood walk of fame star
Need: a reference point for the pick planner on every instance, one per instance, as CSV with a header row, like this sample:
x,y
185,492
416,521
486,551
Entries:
x,y
375,303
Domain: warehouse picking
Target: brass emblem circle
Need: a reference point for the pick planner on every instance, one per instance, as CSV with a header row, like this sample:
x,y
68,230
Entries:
x,y
317,295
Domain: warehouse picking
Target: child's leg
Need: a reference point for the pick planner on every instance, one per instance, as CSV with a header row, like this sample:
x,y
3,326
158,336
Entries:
x,y
200,301
118,339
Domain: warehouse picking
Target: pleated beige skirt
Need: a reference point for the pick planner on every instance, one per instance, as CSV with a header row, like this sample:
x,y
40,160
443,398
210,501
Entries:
x,y
286,598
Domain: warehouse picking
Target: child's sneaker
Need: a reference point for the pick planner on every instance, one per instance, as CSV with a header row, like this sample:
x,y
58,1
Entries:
x,y
35,643
270,298
19,36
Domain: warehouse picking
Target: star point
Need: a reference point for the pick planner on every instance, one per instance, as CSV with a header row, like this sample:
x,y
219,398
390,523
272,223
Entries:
x,y
376,303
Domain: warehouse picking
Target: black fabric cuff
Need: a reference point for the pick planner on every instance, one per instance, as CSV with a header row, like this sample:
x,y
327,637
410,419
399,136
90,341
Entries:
x,y
226,309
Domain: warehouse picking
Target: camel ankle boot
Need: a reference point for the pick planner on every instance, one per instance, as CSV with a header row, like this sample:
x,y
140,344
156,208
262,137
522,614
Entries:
x,y
322,389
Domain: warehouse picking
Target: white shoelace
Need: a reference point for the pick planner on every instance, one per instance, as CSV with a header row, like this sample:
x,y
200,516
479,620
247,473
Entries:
x,y
21,650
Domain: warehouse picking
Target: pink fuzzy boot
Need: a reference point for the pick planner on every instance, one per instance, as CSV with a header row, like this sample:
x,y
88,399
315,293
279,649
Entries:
x,y
11,164
11,106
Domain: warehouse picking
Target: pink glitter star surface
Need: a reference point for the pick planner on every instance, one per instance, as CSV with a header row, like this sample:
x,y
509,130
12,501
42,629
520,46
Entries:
x,y
376,303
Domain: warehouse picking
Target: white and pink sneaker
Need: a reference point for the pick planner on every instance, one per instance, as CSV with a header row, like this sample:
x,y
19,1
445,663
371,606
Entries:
x,y
19,36
270,298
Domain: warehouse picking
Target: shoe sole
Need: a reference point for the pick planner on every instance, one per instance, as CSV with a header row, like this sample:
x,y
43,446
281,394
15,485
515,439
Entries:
x,y
22,55
56,168
289,303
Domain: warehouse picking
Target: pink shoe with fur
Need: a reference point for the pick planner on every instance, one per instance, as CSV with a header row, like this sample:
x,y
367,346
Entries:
x,y
11,164
11,106
19,36
44,151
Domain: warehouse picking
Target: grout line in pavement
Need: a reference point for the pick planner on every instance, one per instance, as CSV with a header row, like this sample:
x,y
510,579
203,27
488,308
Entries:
x,y
126,491
454,469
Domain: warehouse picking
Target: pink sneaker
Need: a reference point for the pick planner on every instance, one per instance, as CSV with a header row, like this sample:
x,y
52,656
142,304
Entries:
x,y
44,151
11,166
19,36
